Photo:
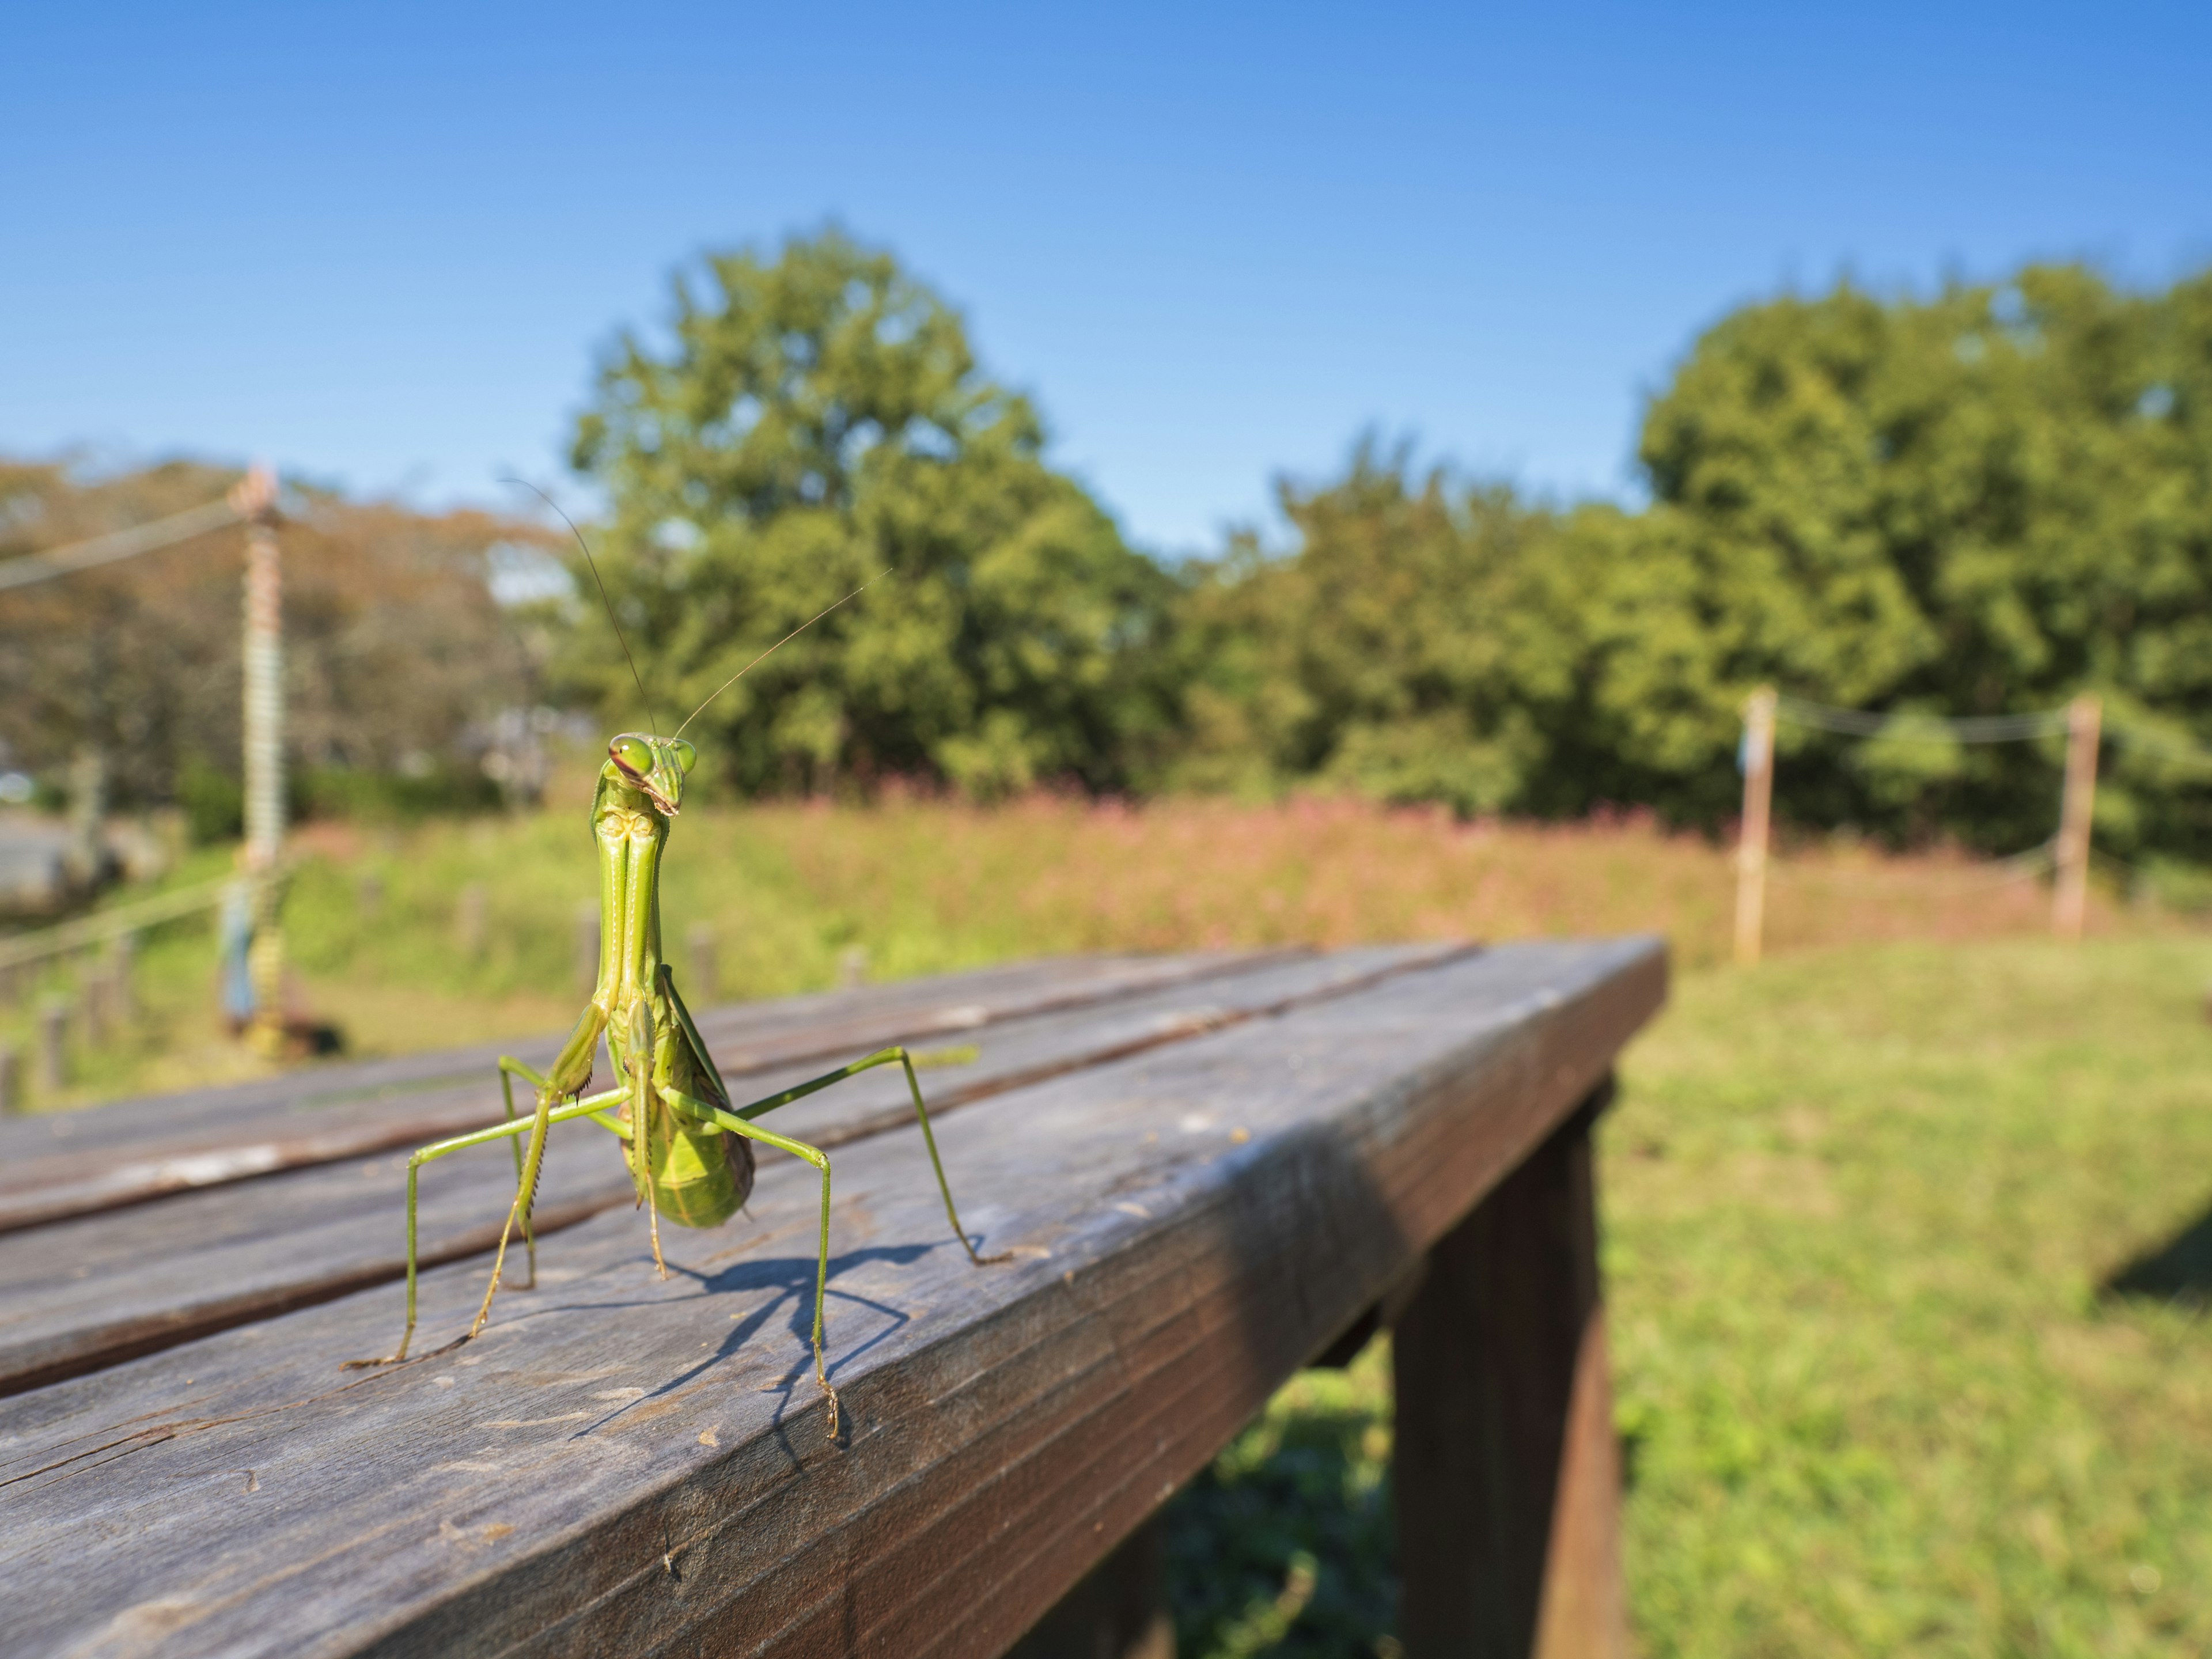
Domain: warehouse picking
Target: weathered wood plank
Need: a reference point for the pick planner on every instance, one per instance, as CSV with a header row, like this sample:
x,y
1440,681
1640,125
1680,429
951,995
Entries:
x,y
621,1465
1014,1053
96,1289
102,1158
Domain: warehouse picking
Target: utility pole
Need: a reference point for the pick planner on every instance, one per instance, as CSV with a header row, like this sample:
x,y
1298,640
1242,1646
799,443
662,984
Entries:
x,y
1757,798
255,500
2069,897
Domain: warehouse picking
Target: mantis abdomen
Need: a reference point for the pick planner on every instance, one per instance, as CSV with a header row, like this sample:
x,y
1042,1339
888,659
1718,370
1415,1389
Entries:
x,y
699,1175
700,1178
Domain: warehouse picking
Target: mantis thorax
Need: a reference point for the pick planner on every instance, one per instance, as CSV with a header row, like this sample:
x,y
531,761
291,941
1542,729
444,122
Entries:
x,y
640,791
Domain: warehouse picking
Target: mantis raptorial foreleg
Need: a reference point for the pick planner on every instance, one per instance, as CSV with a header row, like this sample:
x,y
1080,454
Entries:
x,y
526,1194
739,1122
641,1117
509,1069
593,1106
571,1072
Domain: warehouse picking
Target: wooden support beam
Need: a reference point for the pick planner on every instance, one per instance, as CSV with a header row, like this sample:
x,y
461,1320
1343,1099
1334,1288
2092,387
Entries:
x,y
1118,1610
1506,1471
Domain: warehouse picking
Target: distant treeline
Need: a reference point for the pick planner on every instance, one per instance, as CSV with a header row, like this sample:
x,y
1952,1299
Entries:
x,y
397,651
1979,501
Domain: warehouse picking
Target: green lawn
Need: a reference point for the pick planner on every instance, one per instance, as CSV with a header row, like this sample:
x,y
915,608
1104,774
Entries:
x,y
1865,1209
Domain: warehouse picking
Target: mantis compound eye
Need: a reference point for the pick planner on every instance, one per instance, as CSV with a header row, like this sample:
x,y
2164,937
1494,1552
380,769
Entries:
x,y
686,756
633,754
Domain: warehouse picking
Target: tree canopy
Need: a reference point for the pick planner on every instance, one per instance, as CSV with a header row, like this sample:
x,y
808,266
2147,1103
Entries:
x,y
394,649
1982,501
1978,500
812,422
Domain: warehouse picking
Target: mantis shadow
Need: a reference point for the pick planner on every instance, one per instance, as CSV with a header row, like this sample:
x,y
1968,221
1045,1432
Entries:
x,y
2179,1271
792,1279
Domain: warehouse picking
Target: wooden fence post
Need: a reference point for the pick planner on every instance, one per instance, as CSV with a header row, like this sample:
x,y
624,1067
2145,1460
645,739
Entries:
x,y
2070,891
255,499
12,1078
53,1045
705,985
470,923
93,998
1506,1471
1758,799
122,982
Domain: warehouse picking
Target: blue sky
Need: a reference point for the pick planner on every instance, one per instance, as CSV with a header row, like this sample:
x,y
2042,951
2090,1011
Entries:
x,y
1216,243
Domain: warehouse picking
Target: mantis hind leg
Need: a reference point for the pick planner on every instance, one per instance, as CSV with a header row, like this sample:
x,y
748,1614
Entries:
x,y
525,1192
739,1122
592,1107
820,1160
885,1057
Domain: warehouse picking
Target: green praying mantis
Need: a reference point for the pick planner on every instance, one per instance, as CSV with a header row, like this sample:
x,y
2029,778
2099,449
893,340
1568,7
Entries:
x,y
687,1145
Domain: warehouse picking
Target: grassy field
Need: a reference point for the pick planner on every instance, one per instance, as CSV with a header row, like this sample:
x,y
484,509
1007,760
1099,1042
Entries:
x,y
1907,1232
1908,1249
1881,1389
796,894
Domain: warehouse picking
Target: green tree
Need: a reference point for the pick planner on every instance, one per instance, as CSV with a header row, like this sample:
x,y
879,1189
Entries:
x,y
1977,502
1980,502
1420,644
813,420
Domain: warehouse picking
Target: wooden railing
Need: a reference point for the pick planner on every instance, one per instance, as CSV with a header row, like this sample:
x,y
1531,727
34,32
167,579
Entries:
x,y
1209,1171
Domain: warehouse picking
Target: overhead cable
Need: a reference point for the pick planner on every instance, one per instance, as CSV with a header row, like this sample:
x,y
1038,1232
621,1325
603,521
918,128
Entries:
x,y
1908,727
2157,742
2018,866
121,545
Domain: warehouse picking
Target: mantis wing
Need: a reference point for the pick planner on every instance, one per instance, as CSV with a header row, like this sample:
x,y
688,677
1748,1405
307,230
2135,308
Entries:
x,y
708,1070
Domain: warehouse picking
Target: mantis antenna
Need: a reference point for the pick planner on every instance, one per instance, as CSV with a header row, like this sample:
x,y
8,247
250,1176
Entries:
x,y
612,619
778,645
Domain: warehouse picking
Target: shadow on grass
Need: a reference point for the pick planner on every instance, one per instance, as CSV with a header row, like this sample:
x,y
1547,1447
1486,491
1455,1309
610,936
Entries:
x,y
1285,1546
2179,1271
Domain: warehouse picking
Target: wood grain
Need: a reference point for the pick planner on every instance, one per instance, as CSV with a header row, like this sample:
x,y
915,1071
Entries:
x,y
93,1290
624,1465
104,1157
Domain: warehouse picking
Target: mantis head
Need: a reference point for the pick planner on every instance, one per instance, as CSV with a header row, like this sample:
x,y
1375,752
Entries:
x,y
656,765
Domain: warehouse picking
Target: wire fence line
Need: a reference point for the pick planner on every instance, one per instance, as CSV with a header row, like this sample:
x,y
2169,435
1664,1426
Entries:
x,y
1906,726
1871,723
2018,867
2158,743
121,545
21,949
